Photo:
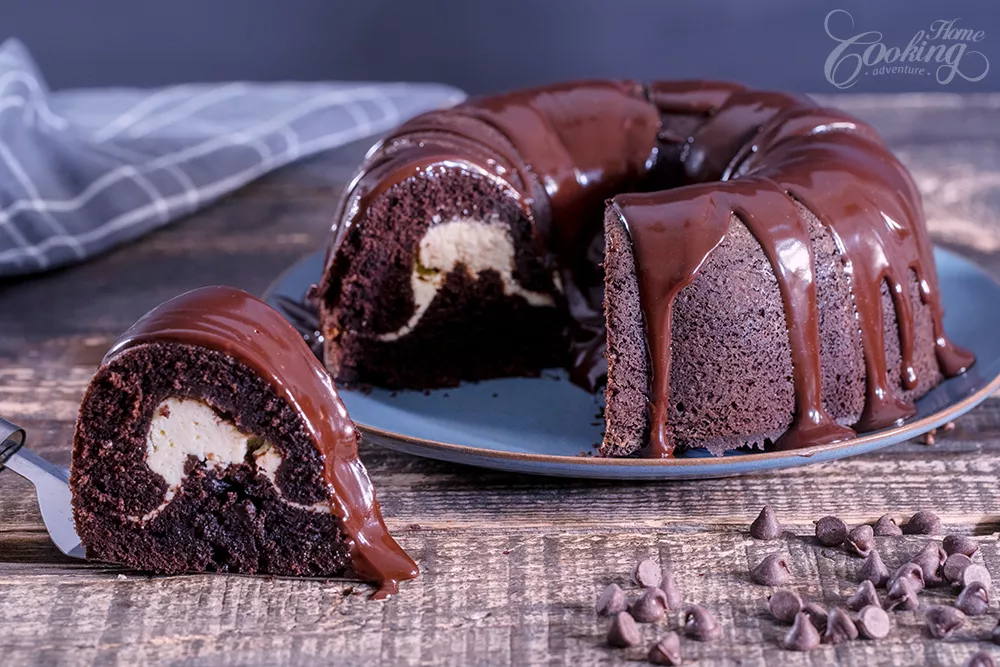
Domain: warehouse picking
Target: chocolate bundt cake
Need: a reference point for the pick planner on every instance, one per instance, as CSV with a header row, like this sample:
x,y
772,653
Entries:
x,y
212,439
740,268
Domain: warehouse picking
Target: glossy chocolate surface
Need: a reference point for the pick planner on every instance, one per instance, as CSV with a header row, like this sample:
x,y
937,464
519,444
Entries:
x,y
712,150
234,323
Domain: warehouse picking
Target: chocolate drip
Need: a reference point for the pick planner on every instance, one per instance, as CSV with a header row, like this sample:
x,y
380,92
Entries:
x,y
237,324
757,155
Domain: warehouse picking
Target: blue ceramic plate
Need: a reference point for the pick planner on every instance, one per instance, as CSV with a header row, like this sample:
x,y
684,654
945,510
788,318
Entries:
x,y
548,426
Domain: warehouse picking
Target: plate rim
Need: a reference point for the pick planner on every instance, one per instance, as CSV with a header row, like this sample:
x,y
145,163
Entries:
x,y
873,440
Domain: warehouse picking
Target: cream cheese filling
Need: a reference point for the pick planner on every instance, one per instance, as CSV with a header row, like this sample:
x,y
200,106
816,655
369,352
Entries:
x,y
184,427
477,245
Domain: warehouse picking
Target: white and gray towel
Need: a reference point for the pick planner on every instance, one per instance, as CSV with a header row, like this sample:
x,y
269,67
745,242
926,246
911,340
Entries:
x,y
84,170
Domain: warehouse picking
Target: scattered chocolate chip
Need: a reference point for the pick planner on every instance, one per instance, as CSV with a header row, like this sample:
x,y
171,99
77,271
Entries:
x,y
817,614
611,601
784,605
928,438
873,623
974,600
772,571
949,426
980,659
942,620
909,571
649,607
930,559
954,566
923,523
960,544
766,525
975,572
802,636
874,570
902,595
831,531
860,540
646,573
840,627
886,527
700,624
863,597
667,651
668,584
623,631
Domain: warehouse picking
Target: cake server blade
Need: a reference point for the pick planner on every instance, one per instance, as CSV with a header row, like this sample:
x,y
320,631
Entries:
x,y
51,485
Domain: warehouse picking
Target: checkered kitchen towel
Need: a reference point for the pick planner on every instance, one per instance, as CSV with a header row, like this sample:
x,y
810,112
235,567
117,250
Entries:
x,y
84,170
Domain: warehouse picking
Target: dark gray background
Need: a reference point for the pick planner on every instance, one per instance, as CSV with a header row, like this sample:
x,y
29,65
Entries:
x,y
478,45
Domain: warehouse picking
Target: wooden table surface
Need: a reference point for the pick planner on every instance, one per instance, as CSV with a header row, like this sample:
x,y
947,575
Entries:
x,y
511,565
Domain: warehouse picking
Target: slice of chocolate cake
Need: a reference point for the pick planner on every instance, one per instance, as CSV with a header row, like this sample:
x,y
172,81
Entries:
x,y
211,439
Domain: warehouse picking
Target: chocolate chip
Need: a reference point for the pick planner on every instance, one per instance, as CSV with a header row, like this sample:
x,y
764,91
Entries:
x,y
817,614
902,595
923,523
667,651
802,636
611,601
873,623
874,570
649,607
646,573
942,620
623,631
700,624
974,600
930,559
839,627
954,566
772,571
831,531
860,540
976,572
673,592
909,571
980,659
960,544
784,605
863,597
766,525
886,527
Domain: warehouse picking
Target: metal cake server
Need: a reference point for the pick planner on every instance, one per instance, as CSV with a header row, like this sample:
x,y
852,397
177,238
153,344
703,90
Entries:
x,y
51,484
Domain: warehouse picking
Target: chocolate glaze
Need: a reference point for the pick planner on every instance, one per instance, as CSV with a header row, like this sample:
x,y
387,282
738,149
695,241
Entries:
x,y
715,150
838,169
233,322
